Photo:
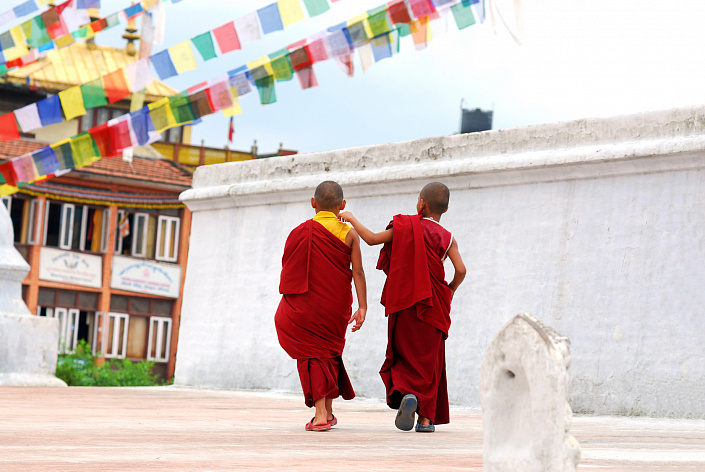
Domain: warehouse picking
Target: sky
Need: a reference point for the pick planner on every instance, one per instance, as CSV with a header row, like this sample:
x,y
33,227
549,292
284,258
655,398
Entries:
x,y
577,59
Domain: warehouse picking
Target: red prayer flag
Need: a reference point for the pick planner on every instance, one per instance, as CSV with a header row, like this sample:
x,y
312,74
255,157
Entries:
x,y
227,38
398,12
102,136
120,136
8,127
307,78
115,85
54,23
422,8
300,59
8,172
99,25
317,51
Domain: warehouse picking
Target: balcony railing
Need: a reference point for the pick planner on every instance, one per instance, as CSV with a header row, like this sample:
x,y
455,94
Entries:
x,y
194,156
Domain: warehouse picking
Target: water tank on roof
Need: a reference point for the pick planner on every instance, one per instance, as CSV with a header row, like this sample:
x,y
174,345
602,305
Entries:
x,y
475,120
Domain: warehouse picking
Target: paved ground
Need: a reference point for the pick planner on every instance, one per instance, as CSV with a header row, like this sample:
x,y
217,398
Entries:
x,y
165,428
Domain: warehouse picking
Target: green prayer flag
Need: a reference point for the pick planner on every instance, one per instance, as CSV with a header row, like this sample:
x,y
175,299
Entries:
x,y
80,33
378,23
181,108
93,94
282,68
265,87
64,155
204,44
462,12
36,32
316,7
404,30
3,69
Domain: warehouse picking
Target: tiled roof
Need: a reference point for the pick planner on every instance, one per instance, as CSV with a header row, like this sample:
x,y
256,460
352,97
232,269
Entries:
x,y
142,169
78,64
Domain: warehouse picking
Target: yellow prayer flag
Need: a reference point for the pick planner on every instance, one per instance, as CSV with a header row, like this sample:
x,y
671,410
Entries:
x,y
64,40
163,118
82,150
149,4
7,189
158,103
72,102
290,11
262,61
182,57
235,109
19,49
44,2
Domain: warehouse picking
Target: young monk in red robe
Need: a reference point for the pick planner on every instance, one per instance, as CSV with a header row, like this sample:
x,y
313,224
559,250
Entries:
x,y
417,302
316,304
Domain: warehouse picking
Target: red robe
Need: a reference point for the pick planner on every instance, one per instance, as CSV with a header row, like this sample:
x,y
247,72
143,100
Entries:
x,y
417,301
316,305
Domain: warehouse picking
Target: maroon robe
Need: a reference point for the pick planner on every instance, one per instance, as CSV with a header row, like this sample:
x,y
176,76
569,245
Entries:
x,y
316,305
417,302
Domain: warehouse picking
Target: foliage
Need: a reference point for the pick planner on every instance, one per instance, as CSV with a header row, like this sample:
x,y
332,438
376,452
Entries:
x,y
79,369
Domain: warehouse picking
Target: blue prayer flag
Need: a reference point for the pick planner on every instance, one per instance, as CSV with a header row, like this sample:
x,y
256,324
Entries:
x,y
46,46
270,19
45,161
88,4
140,125
163,65
50,110
30,6
133,10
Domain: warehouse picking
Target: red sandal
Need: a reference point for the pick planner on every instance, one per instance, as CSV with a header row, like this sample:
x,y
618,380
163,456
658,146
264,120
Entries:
x,y
318,427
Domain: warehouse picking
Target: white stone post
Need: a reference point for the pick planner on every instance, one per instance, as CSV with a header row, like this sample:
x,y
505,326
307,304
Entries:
x,y
525,413
28,344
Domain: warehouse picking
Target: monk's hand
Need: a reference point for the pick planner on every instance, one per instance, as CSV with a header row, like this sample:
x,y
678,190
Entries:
x,y
358,317
346,216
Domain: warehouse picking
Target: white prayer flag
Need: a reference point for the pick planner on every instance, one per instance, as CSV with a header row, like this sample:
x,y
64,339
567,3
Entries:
x,y
28,117
247,28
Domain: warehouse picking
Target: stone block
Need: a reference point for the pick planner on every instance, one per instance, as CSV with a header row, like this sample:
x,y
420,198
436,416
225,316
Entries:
x,y
523,388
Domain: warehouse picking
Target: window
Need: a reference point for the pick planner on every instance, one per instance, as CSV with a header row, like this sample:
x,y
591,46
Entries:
x,y
148,235
77,227
159,339
68,328
25,214
88,120
114,327
140,305
173,135
167,238
76,314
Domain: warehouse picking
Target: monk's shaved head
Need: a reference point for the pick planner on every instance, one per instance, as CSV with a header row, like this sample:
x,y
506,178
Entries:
x,y
329,195
436,195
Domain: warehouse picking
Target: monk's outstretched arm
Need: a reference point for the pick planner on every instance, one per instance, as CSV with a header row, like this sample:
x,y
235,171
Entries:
x,y
360,283
372,239
458,265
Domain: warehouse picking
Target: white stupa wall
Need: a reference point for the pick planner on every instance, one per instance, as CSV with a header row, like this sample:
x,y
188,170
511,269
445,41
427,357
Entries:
x,y
595,226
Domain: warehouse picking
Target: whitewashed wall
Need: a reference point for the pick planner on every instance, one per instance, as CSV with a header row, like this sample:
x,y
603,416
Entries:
x,y
595,226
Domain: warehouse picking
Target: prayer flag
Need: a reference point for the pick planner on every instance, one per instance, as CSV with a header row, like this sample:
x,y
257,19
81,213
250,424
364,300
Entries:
x,y
8,127
316,7
378,23
421,8
120,134
346,63
240,84
124,225
282,69
6,40
200,105
47,46
357,32
163,65
462,13
116,87
307,78
112,20
93,94
231,129
247,28
63,41
220,95
54,24
24,168
290,11
8,173
72,102
50,110
233,110
399,13
88,4
300,59
204,45
133,11
338,43
267,93
181,108
366,56
140,126
6,17
45,161
102,137
98,25
381,47
64,154
317,50
139,75
182,57
35,32
227,38
259,72
270,19
264,62
23,9
421,32
440,3
28,117
162,117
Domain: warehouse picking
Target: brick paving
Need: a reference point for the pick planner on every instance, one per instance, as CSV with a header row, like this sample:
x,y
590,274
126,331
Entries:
x,y
168,428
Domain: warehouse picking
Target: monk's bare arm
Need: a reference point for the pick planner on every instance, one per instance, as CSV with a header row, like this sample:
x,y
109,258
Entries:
x,y
458,265
360,283
372,239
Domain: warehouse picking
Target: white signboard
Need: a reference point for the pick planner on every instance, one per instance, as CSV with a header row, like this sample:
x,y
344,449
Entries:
x,y
70,267
138,275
